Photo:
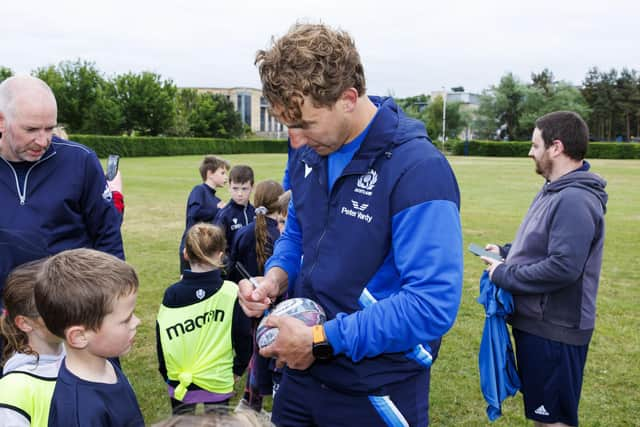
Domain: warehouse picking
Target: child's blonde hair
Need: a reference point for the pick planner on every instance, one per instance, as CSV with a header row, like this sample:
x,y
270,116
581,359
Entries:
x,y
283,201
266,201
19,301
203,242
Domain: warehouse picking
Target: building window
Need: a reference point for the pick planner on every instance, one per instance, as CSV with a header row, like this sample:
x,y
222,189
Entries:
x,y
244,107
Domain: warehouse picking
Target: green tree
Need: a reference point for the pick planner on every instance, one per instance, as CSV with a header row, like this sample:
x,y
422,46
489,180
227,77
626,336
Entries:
x,y
429,111
627,98
105,116
510,95
559,96
147,102
512,107
214,116
543,81
5,73
185,102
501,107
76,85
454,118
599,91
414,106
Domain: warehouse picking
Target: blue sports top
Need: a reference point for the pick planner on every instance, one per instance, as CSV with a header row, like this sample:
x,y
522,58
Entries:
x,y
79,403
341,158
382,247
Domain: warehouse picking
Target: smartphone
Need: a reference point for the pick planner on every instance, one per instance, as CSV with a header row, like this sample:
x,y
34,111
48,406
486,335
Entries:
x,y
480,251
112,166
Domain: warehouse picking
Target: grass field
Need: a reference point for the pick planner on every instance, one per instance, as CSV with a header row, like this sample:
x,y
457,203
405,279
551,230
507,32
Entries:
x,y
496,193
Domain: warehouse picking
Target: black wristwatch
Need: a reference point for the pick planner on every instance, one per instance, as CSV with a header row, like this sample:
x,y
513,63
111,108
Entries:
x,y
322,350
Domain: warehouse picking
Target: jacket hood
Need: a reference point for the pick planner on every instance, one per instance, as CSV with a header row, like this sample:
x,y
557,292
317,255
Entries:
x,y
584,180
389,128
406,127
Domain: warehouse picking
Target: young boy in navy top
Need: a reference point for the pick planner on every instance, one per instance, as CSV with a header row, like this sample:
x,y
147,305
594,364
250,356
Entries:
x,y
87,298
239,211
203,204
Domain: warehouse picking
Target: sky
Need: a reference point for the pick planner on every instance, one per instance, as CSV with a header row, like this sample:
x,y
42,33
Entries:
x,y
408,47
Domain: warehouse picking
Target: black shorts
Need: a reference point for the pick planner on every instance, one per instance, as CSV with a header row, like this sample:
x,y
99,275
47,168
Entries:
x,y
551,376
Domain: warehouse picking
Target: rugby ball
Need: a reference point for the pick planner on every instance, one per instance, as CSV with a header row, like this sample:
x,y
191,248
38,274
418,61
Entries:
x,y
303,309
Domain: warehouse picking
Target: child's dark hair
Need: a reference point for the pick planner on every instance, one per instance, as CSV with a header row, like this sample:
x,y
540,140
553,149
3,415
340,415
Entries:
x,y
266,200
203,242
80,287
241,174
19,301
212,163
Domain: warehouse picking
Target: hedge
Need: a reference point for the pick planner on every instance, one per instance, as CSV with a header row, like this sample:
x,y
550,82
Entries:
x,y
597,150
140,146
173,146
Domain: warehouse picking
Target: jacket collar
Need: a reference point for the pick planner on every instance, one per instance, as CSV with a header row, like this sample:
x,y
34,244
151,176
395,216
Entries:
x,y
379,140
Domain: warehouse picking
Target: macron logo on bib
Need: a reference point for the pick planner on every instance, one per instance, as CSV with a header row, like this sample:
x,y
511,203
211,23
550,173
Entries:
x,y
307,170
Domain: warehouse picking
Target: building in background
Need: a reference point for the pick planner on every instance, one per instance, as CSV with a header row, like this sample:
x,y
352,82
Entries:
x,y
253,109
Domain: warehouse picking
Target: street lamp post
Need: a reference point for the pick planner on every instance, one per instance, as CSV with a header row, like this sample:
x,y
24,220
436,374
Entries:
x,y
444,116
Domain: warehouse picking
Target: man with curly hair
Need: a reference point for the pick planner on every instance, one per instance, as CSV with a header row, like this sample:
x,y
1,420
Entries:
x,y
375,211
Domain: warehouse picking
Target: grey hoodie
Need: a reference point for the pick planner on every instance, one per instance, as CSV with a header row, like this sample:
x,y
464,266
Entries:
x,y
552,268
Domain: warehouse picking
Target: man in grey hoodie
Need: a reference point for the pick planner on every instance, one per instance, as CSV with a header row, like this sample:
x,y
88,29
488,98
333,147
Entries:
x,y
552,269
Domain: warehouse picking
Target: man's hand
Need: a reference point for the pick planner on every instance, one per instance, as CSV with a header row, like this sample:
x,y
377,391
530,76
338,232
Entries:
x,y
254,301
491,247
492,264
293,344
116,183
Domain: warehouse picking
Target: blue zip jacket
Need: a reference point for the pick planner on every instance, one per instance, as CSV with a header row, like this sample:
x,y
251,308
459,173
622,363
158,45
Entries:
x,y
498,376
232,218
64,199
202,206
17,249
243,249
382,251
81,403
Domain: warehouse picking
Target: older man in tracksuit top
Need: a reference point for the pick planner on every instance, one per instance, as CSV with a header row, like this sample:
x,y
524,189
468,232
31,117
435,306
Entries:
x,y
375,213
53,192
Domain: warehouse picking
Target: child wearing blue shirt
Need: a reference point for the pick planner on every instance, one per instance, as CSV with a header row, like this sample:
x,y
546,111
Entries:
x,y
203,204
239,211
88,298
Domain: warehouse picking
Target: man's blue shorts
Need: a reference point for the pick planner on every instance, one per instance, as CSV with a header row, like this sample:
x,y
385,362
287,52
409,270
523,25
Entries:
x,y
551,376
303,401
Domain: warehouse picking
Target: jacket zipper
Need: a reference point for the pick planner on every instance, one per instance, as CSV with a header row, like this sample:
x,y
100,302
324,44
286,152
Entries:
x,y
387,154
22,196
326,222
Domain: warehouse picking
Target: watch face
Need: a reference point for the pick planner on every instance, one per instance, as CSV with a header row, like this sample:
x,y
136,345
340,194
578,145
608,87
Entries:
x,y
322,351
